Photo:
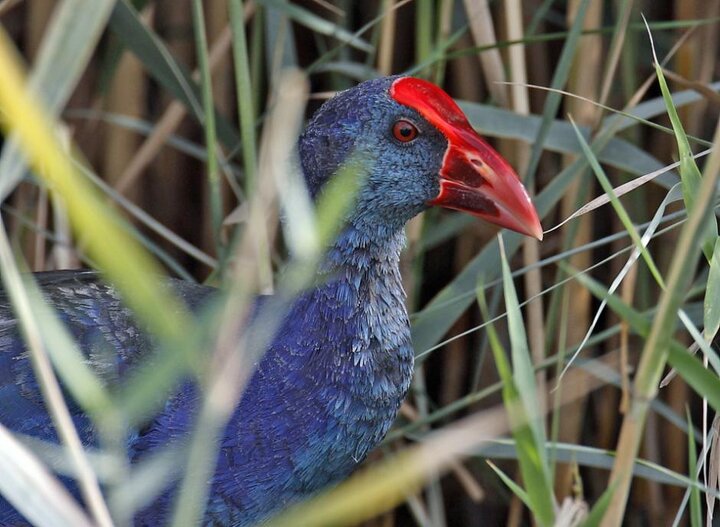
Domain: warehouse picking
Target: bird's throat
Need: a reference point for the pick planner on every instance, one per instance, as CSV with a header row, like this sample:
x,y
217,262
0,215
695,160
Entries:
x,y
371,252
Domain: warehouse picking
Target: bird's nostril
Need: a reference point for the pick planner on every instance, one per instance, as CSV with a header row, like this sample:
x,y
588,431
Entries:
x,y
457,168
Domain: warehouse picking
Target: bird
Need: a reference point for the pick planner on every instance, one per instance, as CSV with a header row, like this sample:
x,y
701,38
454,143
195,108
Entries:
x,y
333,377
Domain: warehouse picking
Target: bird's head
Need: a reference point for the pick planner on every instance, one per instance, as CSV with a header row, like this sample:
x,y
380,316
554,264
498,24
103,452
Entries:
x,y
420,151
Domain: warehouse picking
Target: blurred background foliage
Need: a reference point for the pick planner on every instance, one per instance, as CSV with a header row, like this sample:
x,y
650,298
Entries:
x,y
130,102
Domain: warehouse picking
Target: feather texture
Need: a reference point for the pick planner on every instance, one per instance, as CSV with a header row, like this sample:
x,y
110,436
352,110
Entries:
x,y
331,382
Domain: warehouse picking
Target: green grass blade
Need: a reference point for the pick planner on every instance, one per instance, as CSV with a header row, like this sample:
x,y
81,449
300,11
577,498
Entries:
x,y
689,171
531,458
430,324
658,347
702,380
632,115
598,511
523,369
638,322
695,507
708,351
138,38
351,70
33,491
559,78
656,106
279,33
599,458
244,91
158,61
37,342
423,29
133,272
652,227
690,368
711,316
619,209
69,41
641,324
132,269
317,24
213,173
509,483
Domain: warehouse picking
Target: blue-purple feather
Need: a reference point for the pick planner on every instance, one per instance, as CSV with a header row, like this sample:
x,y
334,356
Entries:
x,y
328,387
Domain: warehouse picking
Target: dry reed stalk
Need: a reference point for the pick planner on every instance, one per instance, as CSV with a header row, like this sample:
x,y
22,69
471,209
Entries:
x,y
41,219
457,355
608,416
677,395
127,97
648,493
516,509
467,481
584,80
387,38
688,63
655,351
627,295
615,52
483,32
520,103
37,16
170,120
161,192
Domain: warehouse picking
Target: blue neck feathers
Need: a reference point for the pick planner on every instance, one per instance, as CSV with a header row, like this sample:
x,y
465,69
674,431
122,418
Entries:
x,y
329,387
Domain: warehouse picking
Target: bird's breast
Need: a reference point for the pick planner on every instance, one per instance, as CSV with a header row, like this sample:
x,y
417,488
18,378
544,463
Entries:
x,y
324,394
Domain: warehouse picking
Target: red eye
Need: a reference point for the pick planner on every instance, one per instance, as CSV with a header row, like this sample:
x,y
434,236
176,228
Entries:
x,y
404,131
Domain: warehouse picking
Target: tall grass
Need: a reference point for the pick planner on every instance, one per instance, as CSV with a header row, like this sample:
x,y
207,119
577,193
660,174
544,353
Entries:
x,y
159,169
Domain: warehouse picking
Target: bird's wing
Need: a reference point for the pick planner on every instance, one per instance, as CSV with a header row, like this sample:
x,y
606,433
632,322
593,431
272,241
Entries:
x,y
107,334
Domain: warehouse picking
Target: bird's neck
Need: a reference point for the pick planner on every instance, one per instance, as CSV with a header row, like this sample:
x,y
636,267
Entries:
x,y
362,354
369,318
360,251
337,372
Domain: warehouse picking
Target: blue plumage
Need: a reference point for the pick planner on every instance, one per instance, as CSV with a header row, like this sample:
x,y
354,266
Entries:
x,y
330,384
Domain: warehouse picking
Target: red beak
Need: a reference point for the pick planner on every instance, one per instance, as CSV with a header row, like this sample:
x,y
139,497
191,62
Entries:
x,y
474,178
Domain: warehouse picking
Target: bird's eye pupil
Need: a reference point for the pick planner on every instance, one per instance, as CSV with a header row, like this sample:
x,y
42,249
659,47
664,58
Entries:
x,y
404,131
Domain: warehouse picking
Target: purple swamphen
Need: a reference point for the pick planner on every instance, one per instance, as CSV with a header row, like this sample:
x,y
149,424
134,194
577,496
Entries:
x,y
330,384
